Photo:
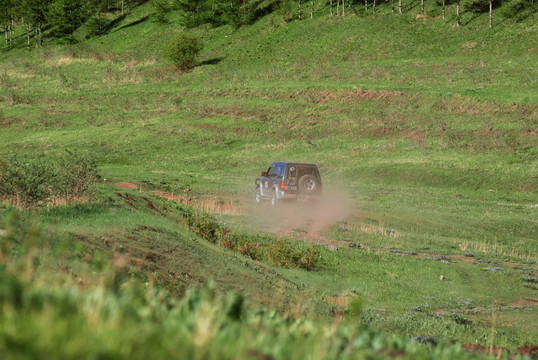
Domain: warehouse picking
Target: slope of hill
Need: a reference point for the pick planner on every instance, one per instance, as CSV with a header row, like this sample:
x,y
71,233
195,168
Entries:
x,y
428,128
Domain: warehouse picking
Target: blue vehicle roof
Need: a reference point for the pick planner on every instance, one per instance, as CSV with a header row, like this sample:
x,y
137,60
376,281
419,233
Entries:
x,y
290,162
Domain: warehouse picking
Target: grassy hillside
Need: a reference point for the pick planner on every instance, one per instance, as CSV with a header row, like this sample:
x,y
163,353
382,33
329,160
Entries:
x,y
425,134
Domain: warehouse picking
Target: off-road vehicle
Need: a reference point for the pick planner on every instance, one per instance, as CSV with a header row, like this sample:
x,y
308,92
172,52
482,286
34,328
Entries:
x,y
285,181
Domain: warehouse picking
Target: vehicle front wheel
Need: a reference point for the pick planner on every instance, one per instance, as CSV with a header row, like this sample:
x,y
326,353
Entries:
x,y
258,197
274,200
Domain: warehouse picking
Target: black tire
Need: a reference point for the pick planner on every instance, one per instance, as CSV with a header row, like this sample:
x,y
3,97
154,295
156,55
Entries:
x,y
258,197
308,185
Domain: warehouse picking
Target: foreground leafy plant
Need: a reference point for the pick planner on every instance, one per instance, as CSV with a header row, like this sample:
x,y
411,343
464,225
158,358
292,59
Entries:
x,y
103,317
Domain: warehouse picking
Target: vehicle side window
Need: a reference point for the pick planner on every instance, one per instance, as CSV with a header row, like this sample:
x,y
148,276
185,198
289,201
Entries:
x,y
292,172
269,171
279,170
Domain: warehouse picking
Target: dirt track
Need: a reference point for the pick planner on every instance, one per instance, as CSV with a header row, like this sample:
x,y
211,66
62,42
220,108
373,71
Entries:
x,y
295,219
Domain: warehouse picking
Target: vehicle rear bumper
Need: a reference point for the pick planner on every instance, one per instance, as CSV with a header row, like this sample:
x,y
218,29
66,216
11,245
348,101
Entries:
x,y
292,195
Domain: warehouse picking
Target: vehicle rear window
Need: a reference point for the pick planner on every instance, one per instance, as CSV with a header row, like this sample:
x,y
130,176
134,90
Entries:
x,y
304,170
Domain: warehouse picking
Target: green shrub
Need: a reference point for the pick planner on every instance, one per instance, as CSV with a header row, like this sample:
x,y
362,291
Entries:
x,y
183,50
249,248
76,176
203,225
26,182
279,252
240,243
283,254
30,182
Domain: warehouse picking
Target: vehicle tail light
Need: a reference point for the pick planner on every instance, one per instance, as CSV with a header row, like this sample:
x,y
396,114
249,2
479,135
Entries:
x,y
282,186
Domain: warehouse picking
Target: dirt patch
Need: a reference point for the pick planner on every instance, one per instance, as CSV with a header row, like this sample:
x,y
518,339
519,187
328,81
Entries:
x,y
126,185
172,197
525,302
469,107
338,300
461,258
225,205
490,350
221,205
212,205
344,96
530,350
63,60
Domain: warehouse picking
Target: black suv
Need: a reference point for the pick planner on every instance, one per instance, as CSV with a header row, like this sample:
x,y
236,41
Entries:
x,y
289,181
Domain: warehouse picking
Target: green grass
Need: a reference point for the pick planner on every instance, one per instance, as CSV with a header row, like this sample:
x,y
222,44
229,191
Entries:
x,y
429,128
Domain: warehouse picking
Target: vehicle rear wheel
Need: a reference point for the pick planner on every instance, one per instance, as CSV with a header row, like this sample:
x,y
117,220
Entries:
x,y
308,184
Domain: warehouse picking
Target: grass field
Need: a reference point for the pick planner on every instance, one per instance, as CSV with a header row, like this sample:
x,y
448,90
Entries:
x,y
426,132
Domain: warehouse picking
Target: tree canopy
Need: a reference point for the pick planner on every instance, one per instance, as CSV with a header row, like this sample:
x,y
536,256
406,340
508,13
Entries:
x,y
63,17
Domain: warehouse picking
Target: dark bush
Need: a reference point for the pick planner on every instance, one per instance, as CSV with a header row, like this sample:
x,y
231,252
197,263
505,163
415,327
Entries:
x,y
66,16
98,26
479,6
519,9
162,9
223,12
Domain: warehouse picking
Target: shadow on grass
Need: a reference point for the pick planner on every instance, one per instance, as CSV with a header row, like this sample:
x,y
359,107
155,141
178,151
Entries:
x,y
407,7
116,21
136,22
473,18
212,61
106,27
19,40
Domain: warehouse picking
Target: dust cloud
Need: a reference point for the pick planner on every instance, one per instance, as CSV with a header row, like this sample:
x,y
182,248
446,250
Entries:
x,y
303,219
